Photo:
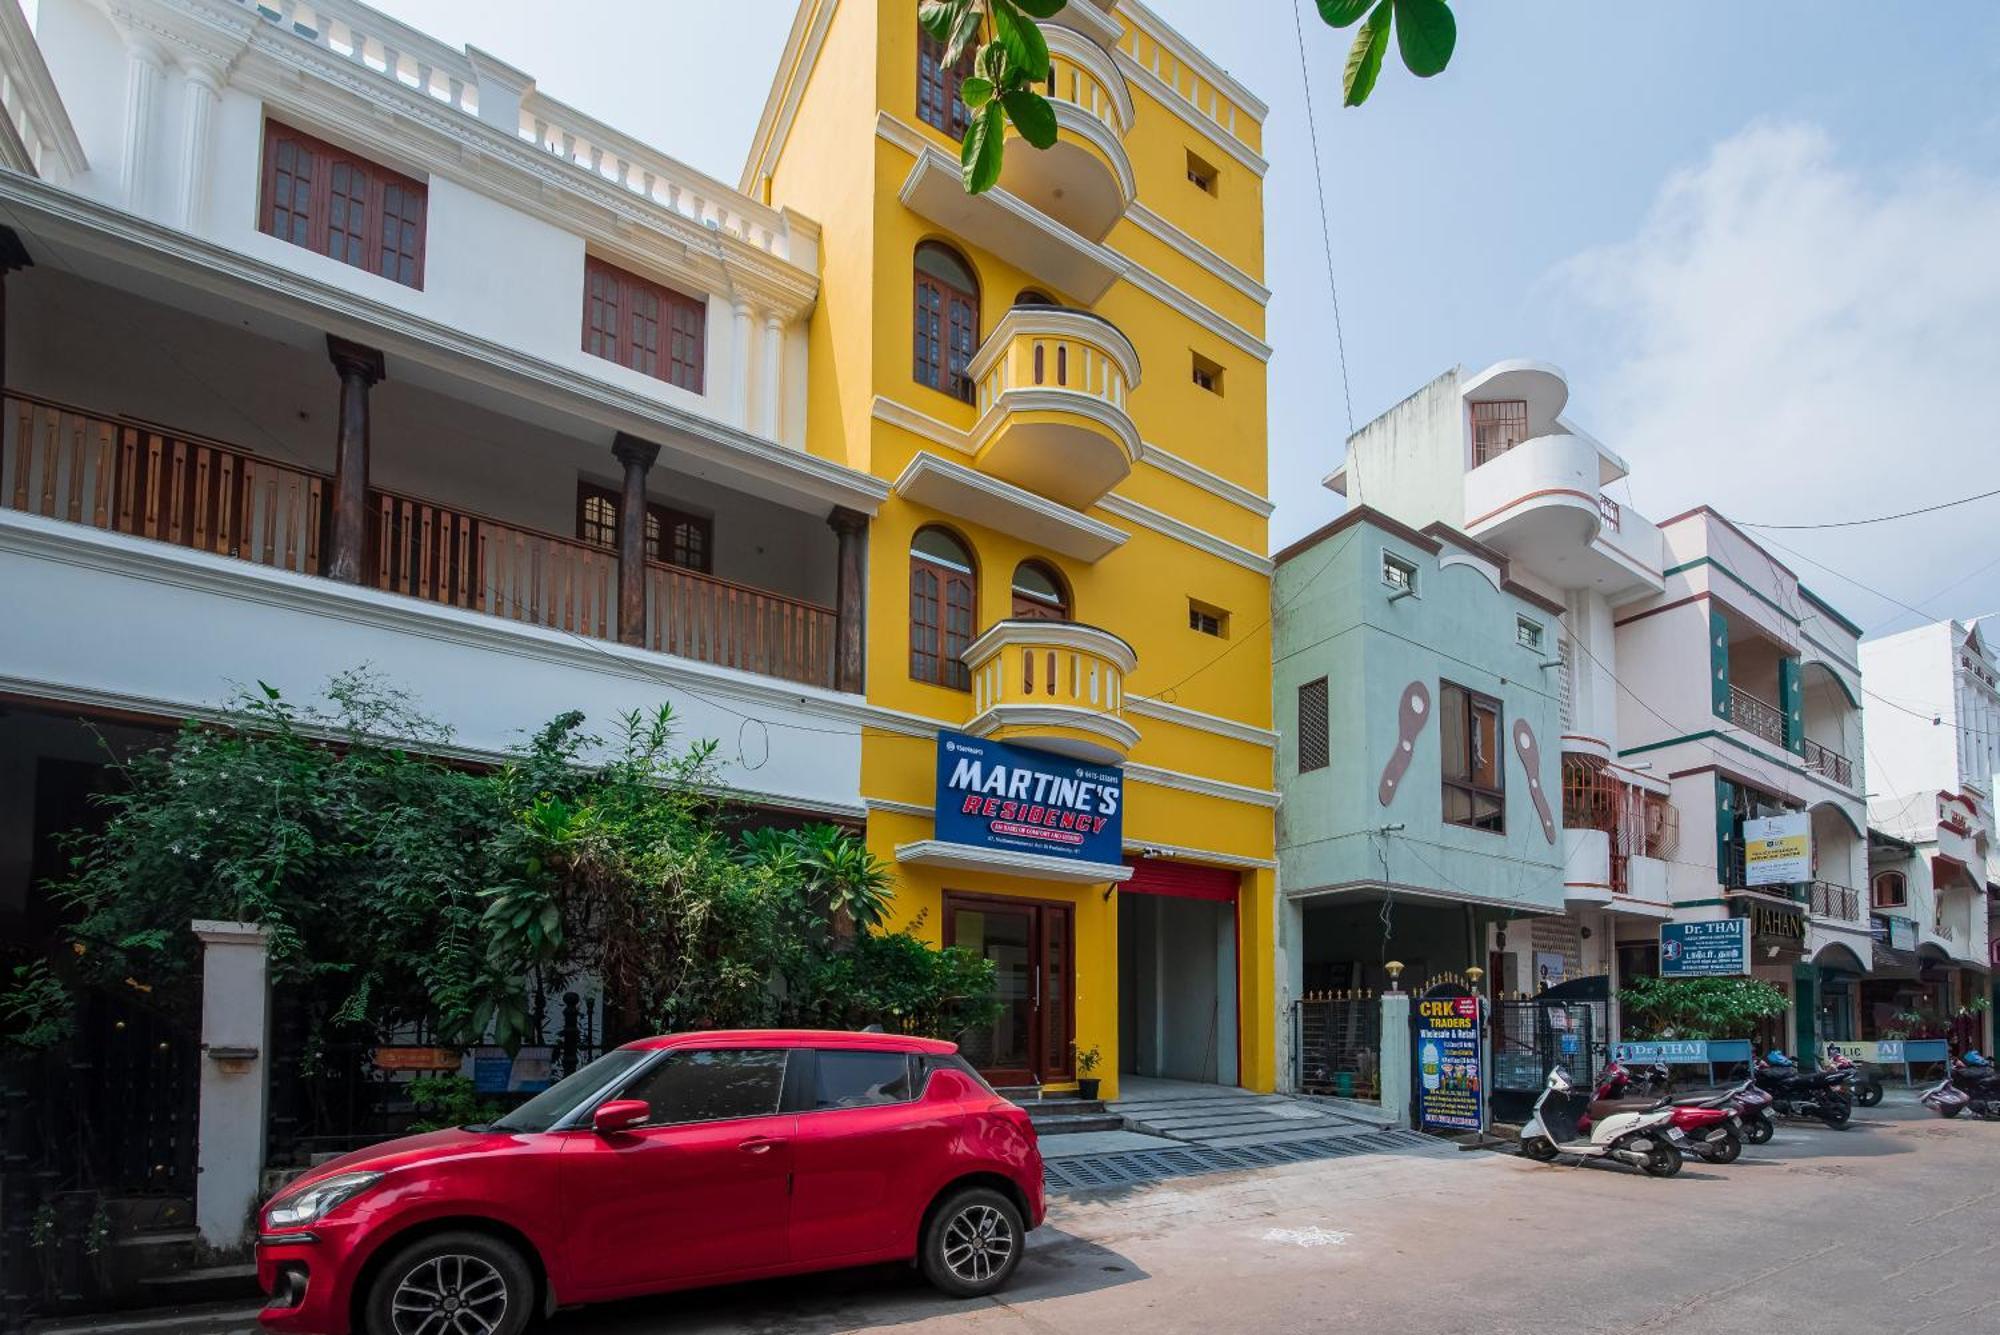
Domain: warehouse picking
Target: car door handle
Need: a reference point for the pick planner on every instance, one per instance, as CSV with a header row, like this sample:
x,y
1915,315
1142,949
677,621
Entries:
x,y
759,1145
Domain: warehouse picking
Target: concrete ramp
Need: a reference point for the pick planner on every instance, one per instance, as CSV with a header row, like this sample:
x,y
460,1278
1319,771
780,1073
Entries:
x,y
1224,1117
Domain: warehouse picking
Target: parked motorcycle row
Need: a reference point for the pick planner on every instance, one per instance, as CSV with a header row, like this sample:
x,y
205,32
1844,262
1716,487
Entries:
x,y
1626,1120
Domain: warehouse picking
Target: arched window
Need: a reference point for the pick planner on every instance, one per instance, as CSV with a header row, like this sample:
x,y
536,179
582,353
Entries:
x,y
939,97
944,607
947,327
1892,891
1039,594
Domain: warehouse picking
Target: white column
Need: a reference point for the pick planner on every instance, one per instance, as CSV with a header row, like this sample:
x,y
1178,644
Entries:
x,y
770,375
739,356
235,1023
204,85
143,66
1396,1056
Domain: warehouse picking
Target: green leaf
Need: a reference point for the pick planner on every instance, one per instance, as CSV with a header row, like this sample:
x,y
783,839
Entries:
x,y
1023,41
992,63
1041,9
938,17
1341,13
976,91
979,155
1032,116
1364,58
1426,32
964,32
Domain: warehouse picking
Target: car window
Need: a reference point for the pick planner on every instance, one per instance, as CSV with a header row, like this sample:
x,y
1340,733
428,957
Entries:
x,y
568,1094
848,1079
953,1062
711,1085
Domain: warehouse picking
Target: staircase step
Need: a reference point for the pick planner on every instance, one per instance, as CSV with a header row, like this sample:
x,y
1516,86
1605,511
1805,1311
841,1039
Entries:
x,y
1063,1107
214,1283
1074,1122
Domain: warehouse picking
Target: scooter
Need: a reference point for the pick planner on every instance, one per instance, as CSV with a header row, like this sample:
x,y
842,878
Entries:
x,y
1815,1095
1973,1084
1648,1140
1714,1133
1867,1086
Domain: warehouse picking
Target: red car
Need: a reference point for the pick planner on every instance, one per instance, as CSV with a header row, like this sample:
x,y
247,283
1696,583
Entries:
x,y
667,1164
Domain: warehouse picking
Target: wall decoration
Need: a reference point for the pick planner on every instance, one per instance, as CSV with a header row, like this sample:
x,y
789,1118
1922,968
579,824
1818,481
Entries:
x,y
1530,752
1411,717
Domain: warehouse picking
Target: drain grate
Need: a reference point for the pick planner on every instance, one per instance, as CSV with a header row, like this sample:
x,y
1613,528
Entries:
x,y
1089,1172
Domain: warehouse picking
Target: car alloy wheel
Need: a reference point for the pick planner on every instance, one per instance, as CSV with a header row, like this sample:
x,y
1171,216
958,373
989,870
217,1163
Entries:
x,y
452,1294
978,1243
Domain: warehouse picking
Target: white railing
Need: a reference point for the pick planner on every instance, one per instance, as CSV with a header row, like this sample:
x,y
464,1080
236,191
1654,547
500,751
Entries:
x,y
422,64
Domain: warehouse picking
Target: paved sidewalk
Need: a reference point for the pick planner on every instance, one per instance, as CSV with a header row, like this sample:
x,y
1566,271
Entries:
x,y
1224,1117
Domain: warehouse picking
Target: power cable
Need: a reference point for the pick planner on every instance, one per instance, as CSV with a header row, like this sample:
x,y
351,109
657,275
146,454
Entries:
x,y
1877,519
1325,224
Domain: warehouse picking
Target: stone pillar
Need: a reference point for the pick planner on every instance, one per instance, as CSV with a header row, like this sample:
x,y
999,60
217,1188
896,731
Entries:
x,y
235,1037
144,65
13,255
360,369
771,376
501,89
637,457
739,357
851,599
1396,1056
204,86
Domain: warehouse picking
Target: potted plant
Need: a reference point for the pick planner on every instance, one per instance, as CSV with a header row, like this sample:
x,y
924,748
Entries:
x,y
1086,1072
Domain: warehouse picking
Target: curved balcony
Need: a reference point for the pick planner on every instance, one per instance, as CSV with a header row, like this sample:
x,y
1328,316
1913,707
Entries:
x,y
1542,503
1051,388
1084,180
1056,685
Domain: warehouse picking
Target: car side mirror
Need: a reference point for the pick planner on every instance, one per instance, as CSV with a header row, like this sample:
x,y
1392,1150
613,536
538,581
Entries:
x,y
620,1115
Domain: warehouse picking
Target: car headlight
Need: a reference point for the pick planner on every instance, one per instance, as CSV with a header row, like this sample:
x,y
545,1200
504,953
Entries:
x,y
310,1203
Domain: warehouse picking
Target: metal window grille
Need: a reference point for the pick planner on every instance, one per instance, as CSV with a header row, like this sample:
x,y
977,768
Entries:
x,y
1497,428
1339,1038
1313,747
1566,684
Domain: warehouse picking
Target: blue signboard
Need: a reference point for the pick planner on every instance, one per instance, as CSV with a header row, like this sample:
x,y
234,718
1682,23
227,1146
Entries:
x,y
1684,1052
1451,1069
993,795
1715,949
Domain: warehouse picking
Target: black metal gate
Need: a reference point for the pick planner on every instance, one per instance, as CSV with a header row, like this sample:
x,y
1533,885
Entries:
x,y
1530,1039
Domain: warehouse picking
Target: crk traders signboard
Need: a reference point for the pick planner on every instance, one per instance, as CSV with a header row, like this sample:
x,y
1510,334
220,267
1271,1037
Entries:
x,y
1716,949
992,795
1450,1072
1777,850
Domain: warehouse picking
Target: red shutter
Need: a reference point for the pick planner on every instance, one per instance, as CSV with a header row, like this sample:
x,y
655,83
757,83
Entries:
x,y
1183,880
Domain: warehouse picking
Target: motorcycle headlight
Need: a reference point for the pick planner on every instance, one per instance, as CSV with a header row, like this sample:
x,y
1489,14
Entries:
x,y
310,1203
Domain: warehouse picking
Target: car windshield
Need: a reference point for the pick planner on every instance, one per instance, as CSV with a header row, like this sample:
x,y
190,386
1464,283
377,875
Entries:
x,y
566,1095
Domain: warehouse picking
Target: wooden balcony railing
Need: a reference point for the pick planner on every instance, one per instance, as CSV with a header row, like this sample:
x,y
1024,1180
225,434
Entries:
x,y
1749,713
732,625
1835,901
133,477
1829,763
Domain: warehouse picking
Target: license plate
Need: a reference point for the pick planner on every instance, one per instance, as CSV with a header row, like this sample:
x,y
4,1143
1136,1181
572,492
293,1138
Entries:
x,y
1674,1133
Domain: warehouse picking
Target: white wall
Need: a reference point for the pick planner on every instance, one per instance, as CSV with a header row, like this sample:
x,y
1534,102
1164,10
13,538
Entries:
x,y
1908,755
1410,462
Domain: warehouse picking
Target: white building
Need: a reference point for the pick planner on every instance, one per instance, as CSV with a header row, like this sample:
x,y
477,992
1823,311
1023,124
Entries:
x,y
1934,732
328,345
1700,684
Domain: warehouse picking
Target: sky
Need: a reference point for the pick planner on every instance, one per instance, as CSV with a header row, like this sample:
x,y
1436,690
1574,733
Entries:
x,y
1762,239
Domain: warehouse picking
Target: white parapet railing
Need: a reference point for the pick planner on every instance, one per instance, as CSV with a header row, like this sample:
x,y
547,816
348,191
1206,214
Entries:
x,y
453,77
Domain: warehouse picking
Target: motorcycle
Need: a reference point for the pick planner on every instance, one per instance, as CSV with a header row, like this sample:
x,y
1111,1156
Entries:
x,y
1806,1095
1648,1140
1713,1129
1866,1084
1973,1084
1750,1103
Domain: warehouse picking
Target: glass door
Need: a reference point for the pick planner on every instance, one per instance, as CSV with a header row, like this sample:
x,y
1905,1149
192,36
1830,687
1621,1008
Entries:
x,y
1030,944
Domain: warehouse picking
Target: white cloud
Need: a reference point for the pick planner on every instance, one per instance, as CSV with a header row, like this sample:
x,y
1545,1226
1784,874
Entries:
x,y
1794,340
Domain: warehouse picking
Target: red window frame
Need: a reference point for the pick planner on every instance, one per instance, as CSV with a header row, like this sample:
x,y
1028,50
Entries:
x,y
646,326
940,100
329,200
673,537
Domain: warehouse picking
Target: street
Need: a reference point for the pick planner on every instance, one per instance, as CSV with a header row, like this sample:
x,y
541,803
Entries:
x,y
1889,1226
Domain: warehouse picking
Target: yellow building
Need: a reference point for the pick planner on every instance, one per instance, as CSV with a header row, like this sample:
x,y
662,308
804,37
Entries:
x,y
1064,380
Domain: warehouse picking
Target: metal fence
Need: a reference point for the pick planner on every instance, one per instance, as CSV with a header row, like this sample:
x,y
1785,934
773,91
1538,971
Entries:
x,y
1533,1037
1339,1043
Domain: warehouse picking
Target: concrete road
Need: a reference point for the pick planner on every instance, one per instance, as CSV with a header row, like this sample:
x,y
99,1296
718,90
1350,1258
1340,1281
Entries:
x,y
1890,1226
